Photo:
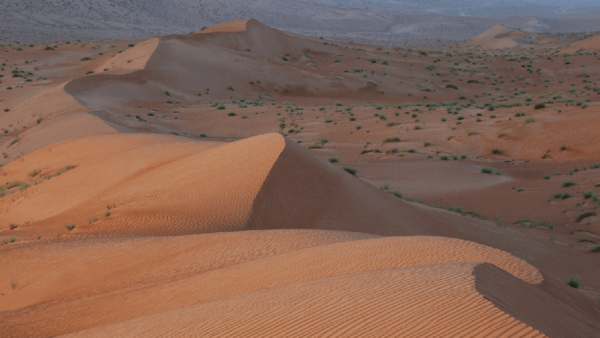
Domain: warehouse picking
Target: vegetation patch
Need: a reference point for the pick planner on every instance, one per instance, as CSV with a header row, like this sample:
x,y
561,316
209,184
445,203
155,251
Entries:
x,y
533,224
585,215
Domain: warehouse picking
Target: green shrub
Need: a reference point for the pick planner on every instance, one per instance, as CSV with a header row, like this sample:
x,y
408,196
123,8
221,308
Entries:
x,y
452,86
391,140
567,184
585,215
540,106
351,170
574,282
487,170
333,159
231,113
561,195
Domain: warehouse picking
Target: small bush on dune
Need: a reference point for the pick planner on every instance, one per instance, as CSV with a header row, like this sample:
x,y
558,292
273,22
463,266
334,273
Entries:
x,y
487,170
333,159
568,184
391,140
561,196
351,170
585,215
574,282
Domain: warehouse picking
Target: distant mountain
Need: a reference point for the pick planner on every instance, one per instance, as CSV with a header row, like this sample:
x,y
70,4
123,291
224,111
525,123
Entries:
x,y
385,22
493,8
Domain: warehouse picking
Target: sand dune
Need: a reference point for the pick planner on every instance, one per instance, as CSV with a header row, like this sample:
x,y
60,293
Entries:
x,y
281,262
120,216
186,65
368,303
130,60
500,37
68,119
588,45
226,27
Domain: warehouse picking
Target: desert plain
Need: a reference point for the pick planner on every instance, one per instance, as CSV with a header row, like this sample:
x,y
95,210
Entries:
x,y
243,181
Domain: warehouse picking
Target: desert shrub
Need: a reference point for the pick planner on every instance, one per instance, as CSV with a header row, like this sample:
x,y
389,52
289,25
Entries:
x,y
70,227
573,282
567,184
540,105
596,248
452,86
561,195
585,215
231,114
391,140
351,170
496,151
532,224
487,170
444,158
333,159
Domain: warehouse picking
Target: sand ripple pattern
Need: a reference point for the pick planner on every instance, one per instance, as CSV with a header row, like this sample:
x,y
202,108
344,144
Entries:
x,y
424,301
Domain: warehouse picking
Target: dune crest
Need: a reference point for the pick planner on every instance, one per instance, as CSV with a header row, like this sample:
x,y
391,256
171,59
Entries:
x,y
234,26
500,37
588,45
130,60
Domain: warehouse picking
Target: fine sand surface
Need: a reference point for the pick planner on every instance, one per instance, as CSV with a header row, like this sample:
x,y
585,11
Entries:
x,y
280,263
240,181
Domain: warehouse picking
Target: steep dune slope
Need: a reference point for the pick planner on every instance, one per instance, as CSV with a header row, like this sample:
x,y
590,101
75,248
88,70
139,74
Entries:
x,y
130,60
